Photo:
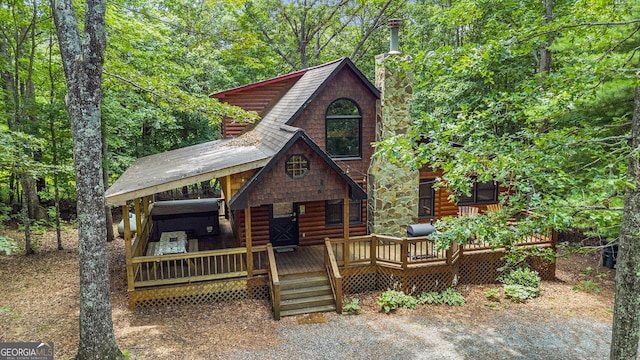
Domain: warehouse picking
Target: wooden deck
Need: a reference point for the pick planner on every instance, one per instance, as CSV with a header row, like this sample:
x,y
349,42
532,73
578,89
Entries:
x,y
303,259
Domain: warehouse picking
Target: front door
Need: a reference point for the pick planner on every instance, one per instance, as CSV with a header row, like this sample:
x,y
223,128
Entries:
x,y
283,224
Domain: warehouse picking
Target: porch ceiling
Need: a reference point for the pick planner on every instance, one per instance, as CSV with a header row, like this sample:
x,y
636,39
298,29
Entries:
x,y
186,166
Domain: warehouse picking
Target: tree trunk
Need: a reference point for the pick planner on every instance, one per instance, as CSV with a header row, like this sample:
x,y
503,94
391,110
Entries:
x,y
82,59
54,144
626,310
105,179
545,53
30,197
28,249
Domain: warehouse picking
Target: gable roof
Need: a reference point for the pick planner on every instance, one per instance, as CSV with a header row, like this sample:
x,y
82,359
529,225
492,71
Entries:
x,y
225,93
241,198
251,150
310,84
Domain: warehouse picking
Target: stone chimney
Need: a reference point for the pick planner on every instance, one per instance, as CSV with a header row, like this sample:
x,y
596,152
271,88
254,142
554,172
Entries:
x,y
392,187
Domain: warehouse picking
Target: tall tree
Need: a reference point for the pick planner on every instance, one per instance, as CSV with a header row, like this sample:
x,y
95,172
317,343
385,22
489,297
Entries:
x,y
17,49
626,310
304,33
556,134
83,57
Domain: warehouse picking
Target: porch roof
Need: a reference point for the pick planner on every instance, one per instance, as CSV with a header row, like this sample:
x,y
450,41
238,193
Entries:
x,y
173,169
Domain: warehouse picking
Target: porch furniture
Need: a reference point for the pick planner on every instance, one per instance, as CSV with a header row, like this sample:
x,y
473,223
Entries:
x,y
193,245
494,207
467,211
171,242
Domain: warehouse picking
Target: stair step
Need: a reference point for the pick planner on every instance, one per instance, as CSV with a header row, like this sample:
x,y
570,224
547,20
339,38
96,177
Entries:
x,y
315,309
297,283
305,292
307,302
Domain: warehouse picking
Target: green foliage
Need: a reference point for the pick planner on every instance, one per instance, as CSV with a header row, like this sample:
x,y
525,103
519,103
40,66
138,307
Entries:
x,y
392,299
587,286
450,297
556,139
7,244
4,309
521,284
493,294
350,306
432,297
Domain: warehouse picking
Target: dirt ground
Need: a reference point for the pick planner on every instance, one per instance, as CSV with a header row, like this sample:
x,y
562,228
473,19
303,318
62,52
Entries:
x,y
39,302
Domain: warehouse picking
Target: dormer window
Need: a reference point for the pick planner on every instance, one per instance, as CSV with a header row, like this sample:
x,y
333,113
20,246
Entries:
x,y
343,130
297,166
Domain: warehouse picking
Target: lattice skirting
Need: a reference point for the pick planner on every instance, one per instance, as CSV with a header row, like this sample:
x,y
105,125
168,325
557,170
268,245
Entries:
x,y
254,288
472,268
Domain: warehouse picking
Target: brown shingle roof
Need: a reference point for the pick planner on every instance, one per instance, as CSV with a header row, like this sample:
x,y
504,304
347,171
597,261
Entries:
x,y
251,150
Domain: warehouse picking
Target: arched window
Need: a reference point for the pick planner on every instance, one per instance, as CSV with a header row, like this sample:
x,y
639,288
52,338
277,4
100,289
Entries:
x,y
343,125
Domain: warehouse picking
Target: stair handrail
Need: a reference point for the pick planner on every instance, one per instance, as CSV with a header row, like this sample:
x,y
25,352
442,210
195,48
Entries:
x,y
274,282
335,279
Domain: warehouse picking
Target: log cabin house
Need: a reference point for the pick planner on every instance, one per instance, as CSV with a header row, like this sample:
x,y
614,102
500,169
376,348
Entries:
x,y
308,211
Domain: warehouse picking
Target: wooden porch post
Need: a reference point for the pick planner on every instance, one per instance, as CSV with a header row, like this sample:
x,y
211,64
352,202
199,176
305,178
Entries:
x,y
145,206
373,247
345,225
127,246
136,203
247,234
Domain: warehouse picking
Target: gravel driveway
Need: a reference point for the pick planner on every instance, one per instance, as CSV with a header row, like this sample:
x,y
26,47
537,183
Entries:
x,y
497,336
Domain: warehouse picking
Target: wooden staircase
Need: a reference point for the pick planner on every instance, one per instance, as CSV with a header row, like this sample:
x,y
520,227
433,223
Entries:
x,y
305,293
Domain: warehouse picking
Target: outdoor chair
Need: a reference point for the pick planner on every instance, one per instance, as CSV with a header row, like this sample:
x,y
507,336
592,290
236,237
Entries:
x,y
467,211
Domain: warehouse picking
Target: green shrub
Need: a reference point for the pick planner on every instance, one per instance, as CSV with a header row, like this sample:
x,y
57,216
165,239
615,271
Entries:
x,y
521,284
493,294
452,297
587,286
432,297
351,307
392,299
7,245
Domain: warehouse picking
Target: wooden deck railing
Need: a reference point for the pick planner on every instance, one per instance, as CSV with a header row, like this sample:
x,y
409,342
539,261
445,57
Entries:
x,y
142,237
197,266
387,250
407,252
274,281
333,271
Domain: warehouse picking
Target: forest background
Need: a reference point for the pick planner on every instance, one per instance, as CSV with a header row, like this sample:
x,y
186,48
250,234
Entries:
x,y
540,94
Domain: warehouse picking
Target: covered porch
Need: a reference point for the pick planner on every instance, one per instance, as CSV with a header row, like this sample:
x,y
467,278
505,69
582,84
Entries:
x,y
372,262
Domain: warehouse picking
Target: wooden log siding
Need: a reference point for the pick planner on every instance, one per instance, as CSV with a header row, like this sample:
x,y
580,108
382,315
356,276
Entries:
x,y
313,224
258,99
259,226
443,206
236,181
